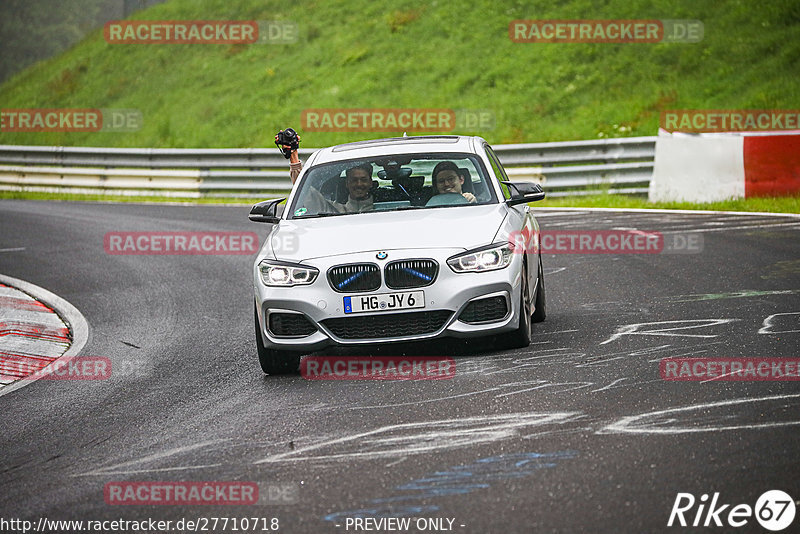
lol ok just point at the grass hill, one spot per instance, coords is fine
(405, 54)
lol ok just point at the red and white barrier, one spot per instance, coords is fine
(713, 167)
(32, 335)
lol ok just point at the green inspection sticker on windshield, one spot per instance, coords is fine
(300, 211)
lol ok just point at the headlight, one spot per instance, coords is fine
(285, 274)
(487, 259)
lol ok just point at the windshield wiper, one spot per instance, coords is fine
(317, 215)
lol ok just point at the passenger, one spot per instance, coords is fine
(447, 180)
(288, 142)
(358, 181)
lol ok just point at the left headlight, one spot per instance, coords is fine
(486, 259)
(279, 274)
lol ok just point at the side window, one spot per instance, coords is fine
(499, 172)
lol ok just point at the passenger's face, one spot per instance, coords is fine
(448, 181)
(358, 184)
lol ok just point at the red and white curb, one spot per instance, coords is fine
(37, 329)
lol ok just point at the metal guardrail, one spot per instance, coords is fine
(564, 168)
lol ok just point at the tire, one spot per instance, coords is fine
(521, 337)
(274, 362)
(540, 306)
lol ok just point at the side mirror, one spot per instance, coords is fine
(524, 192)
(266, 211)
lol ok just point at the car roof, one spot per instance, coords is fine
(399, 145)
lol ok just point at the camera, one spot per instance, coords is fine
(287, 140)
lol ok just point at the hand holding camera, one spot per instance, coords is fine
(287, 141)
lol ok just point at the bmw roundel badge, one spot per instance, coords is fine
(381, 255)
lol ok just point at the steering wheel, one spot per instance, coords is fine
(447, 199)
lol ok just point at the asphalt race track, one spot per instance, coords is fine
(577, 433)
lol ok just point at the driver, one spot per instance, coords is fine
(447, 180)
(358, 181)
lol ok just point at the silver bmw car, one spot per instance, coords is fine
(392, 240)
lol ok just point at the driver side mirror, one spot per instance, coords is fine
(524, 192)
(266, 211)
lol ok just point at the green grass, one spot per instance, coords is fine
(404, 54)
(456, 55)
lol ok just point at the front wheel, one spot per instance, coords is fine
(539, 306)
(521, 337)
(274, 362)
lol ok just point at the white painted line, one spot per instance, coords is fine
(602, 361)
(634, 329)
(577, 385)
(17, 249)
(155, 470)
(728, 228)
(766, 326)
(399, 440)
(633, 424)
(654, 210)
(74, 320)
(438, 399)
(609, 386)
(122, 468)
(557, 332)
(744, 293)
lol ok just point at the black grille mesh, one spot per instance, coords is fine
(406, 274)
(387, 325)
(355, 277)
(484, 310)
(290, 325)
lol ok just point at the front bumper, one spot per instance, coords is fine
(443, 315)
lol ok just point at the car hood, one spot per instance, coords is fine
(462, 227)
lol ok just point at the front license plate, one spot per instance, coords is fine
(384, 302)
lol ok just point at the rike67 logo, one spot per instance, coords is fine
(774, 510)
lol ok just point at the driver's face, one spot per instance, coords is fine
(448, 181)
(358, 183)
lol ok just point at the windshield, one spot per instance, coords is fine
(392, 183)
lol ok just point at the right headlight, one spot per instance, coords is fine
(486, 259)
(280, 274)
